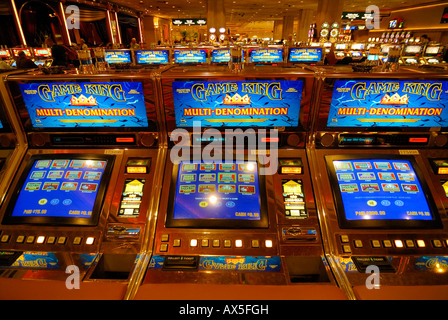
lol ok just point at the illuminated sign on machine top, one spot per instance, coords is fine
(238, 103)
(70, 105)
(366, 103)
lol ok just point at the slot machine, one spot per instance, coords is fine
(266, 56)
(221, 56)
(82, 197)
(235, 223)
(190, 57)
(357, 51)
(433, 54)
(15, 54)
(5, 55)
(411, 54)
(42, 57)
(119, 59)
(340, 50)
(303, 55)
(152, 59)
(379, 161)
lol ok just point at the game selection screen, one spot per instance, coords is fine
(380, 189)
(64, 188)
(217, 191)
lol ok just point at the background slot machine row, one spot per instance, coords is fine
(84, 191)
(225, 220)
(379, 162)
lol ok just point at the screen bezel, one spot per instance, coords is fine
(152, 63)
(8, 219)
(344, 223)
(170, 222)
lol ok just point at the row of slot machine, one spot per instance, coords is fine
(40, 56)
(198, 182)
(211, 55)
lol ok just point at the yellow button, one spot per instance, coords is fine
(268, 243)
(90, 240)
(421, 243)
(193, 242)
(238, 243)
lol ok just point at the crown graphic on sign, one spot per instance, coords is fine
(83, 101)
(236, 100)
(395, 99)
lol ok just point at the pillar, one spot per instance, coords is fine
(288, 28)
(149, 31)
(328, 11)
(216, 15)
(278, 30)
(306, 18)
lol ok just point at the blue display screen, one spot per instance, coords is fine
(221, 55)
(217, 191)
(237, 103)
(369, 103)
(1, 125)
(305, 54)
(266, 55)
(381, 189)
(118, 56)
(152, 56)
(190, 56)
(84, 105)
(65, 188)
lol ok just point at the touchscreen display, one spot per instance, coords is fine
(65, 188)
(380, 189)
(217, 191)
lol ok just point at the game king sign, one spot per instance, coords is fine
(358, 103)
(238, 103)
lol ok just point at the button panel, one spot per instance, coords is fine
(179, 242)
(350, 242)
(39, 240)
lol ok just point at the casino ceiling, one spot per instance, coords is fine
(255, 10)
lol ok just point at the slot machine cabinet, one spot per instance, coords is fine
(83, 195)
(411, 54)
(380, 182)
(224, 232)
